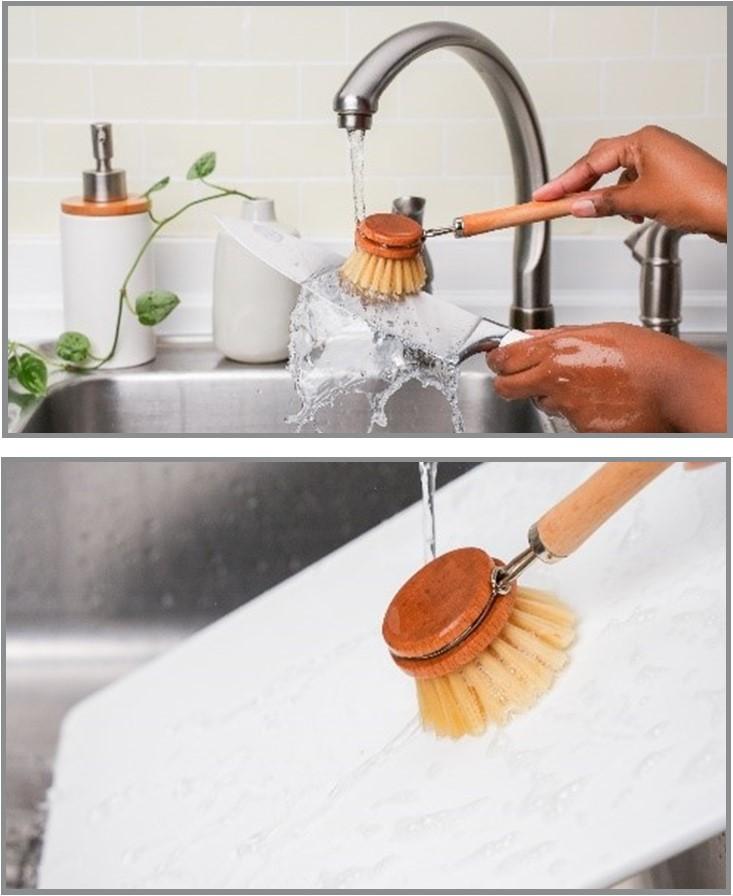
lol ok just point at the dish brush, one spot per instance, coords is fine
(481, 647)
(387, 265)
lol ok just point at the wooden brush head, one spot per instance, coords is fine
(437, 606)
(389, 236)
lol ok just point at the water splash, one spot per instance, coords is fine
(336, 353)
(428, 475)
(357, 156)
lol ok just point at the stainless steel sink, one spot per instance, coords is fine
(190, 388)
(152, 551)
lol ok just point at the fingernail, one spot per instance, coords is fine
(583, 208)
(543, 188)
(493, 360)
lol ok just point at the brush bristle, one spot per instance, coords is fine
(384, 279)
(507, 677)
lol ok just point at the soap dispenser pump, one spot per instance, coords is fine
(102, 232)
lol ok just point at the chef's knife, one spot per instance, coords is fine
(425, 323)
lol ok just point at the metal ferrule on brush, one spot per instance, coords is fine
(503, 576)
(456, 229)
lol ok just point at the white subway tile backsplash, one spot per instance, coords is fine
(327, 207)
(443, 92)
(567, 140)
(448, 197)
(21, 32)
(475, 148)
(143, 91)
(246, 93)
(172, 147)
(256, 83)
(717, 84)
(401, 149)
(197, 221)
(91, 31)
(564, 89)
(654, 87)
(193, 32)
(595, 31)
(46, 90)
(691, 30)
(297, 150)
(24, 155)
(34, 206)
(295, 33)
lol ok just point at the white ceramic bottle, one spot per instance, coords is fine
(252, 303)
(102, 232)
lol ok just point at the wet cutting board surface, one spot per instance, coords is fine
(279, 748)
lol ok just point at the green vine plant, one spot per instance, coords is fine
(31, 369)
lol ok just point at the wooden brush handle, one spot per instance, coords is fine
(512, 215)
(576, 517)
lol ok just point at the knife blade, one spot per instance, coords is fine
(424, 322)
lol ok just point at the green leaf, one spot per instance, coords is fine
(74, 347)
(158, 185)
(154, 306)
(13, 367)
(202, 167)
(32, 374)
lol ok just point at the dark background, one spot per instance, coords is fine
(124, 539)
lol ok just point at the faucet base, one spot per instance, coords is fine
(662, 325)
(532, 318)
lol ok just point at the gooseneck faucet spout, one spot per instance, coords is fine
(358, 100)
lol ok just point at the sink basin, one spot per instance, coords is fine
(67, 635)
(99, 606)
(190, 388)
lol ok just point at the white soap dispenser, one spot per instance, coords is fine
(102, 232)
(252, 303)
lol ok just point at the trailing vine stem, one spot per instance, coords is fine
(124, 298)
(150, 308)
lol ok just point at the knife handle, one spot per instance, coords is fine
(488, 335)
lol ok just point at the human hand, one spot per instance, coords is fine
(615, 378)
(664, 177)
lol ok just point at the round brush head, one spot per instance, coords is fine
(389, 236)
(446, 614)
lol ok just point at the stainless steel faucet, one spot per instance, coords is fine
(358, 100)
(656, 248)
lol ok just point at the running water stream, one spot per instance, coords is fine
(335, 353)
(357, 156)
(428, 475)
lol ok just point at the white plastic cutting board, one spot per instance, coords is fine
(279, 747)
